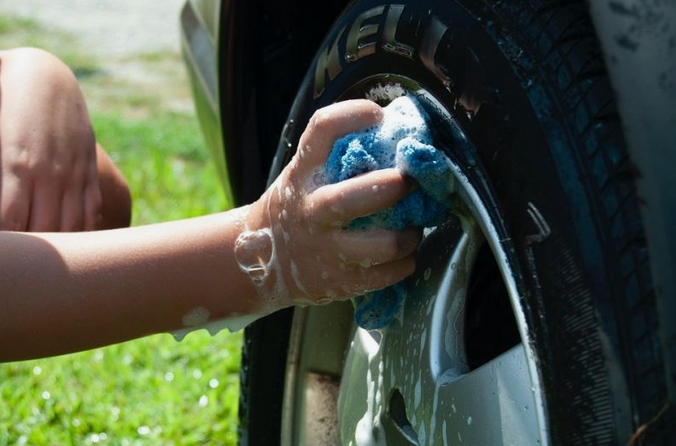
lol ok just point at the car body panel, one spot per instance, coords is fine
(199, 42)
(639, 43)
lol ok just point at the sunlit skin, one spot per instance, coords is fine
(53, 175)
(64, 292)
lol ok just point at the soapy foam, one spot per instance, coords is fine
(369, 431)
(385, 92)
(377, 147)
(196, 316)
(296, 277)
(255, 253)
(232, 323)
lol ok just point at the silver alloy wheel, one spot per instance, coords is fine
(409, 384)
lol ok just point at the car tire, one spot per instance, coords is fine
(521, 103)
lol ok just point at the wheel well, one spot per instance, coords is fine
(265, 49)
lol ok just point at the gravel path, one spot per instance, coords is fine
(108, 27)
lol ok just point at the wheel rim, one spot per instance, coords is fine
(412, 383)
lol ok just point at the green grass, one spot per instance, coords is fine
(152, 391)
(165, 163)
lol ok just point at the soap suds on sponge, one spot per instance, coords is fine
(402, 140)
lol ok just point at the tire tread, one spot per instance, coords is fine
(564, 41)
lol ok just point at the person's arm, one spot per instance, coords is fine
(67, 292)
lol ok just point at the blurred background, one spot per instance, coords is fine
(153, 391)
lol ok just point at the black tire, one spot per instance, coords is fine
(527, 84)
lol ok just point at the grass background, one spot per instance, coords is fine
(152, 391)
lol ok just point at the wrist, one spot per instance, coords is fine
(257, 253)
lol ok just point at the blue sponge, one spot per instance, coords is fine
(402, 140)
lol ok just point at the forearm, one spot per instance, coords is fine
(68, 292)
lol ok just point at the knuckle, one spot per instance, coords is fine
(321, 120)
(328, 210)
(20, 165)
(18, 171)
(36, 167)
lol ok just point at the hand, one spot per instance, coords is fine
(48, 174)
(295, 247)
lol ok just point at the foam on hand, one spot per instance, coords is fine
(403, 140)
(255, 254)
(275, 257)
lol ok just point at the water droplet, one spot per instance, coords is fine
(469, 420)
(169, 377)
(46, 395)
(427, 274)
(143, 430)
(204, 400)
(37, 370)
(197, 373)
(318, 179)
(213, 383)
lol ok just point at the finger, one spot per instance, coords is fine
(375, 247)
(363, 195)
(72, 210)
(15, 201)
(93, 200)
(45, 209)
(93, 208)
(378, 277)
(332, 122)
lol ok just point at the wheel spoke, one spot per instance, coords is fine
(411, 385)
(490, 405)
